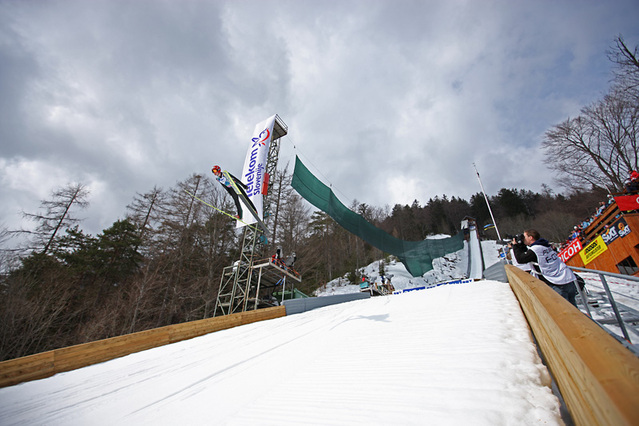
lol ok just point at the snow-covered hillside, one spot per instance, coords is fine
(450, 267)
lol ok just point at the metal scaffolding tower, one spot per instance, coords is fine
(241, 282)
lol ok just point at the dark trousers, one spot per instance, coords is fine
(567, 291)
(236, 199)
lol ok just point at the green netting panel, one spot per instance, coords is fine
(417, 256)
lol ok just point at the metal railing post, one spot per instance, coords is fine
(614, 307)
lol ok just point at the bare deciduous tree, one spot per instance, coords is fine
(144, 212)
(627, 68)
(599, 147)
(278, 194)
(56, 214)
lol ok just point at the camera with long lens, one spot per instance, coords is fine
(519, 238)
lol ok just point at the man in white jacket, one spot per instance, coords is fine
(549, 267)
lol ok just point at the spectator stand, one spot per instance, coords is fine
(619, 244)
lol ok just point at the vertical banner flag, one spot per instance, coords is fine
(255, 167)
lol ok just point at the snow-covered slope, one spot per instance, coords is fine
(457, 354)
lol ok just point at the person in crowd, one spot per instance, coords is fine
(290, 261)
(575, 233)
(602, 207)
(632, 183)
(276, 259)
(390, 285)
(547, 265)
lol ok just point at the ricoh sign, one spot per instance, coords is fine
(573, 248)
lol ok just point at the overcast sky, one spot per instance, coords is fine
(388, 101)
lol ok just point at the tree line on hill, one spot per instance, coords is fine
(162, 263)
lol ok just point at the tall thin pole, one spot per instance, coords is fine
(487, 203)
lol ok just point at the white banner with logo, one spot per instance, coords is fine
(255, 167)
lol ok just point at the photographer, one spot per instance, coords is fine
(511, 256)
(549, 267)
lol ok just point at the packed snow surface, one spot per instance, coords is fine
(454, 354)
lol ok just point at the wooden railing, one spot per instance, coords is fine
(607, 217)
(46, 364)
(597, 376)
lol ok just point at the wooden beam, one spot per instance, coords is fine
(47, 364)
(597, 376)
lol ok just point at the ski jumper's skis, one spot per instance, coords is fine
(247, 203)
(221, 211)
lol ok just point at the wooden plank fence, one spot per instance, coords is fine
(597, 376)
(47, 364)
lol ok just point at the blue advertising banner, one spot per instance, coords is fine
(618, 229)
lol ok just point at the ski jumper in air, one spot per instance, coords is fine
(232, 188)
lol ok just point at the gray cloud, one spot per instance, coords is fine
(390, 100)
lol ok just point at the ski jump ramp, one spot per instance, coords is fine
(475, 256)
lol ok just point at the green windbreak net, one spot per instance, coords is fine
(417, 256)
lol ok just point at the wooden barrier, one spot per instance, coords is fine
(46, 364)
(597, 376)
